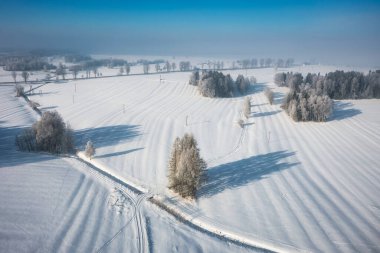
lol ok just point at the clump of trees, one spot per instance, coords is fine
(336, 85)
(186, 167)
(304, 104)
(216, 84)
(269, 94)
(49, 134)
(74, 58)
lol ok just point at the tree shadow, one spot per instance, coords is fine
(10, 156)
(278, 98)
(343, 110)
(242, 172)
(118, 153)
(263, 114)
(106, 136)
(258, 87)
(48, 107)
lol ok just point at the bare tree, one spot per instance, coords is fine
(14, 76)
(174, 66)
(157, 66)
(25, 75)
(167, 65)
(95, 71)
(90, 149)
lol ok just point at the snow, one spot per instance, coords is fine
(296, 186)
(59, 204)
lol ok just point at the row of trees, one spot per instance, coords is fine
(49, 134)
(336, 85)
(25, 63)
(263, 62)
(216, 84)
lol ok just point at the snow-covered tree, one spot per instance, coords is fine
(121, 71)
(127, 69)
(186, 167)
(247, 107)
(14, 76)
(19, 90)
(269, 94)
(146, 68)
(90, 149)
(25, 75)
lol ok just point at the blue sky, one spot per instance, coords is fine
(329, 31)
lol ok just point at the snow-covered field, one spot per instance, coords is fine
(301, 186)
(56, 204)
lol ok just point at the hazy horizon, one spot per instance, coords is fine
(333, 32)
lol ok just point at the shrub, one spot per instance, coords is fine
(186, 167)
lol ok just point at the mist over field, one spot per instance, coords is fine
(330, 32)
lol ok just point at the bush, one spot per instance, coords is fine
(269, 94)
(49, 134)
(186, 167)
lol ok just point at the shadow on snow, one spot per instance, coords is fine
(106, 136)
(242, 172)
(343, 110)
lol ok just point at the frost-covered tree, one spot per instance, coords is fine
(167, 66)
(90, 149)
(146, 68)
(25, 75)
(186, 167)
(269, 94)
(247, 107)
(127, 69)
(121, 71)
(19, 89)
(157, 67)
(242, 84)
(174, 66)
(14, 76)
(194, 78)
